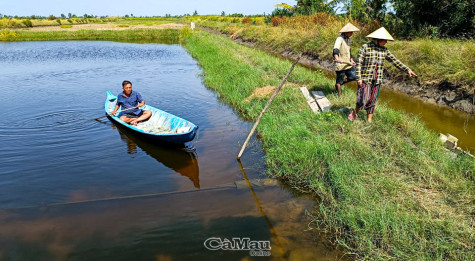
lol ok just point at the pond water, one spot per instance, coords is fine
(73, 188)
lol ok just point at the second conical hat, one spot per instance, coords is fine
(382, 34)
(349, 28)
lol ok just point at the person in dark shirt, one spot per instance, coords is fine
(131, 101)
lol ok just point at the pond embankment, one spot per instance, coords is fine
(444, 66)
(387, 190)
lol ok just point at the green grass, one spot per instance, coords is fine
(387, 190)
(452, 59)
(25, 22)
(66, 26)
(153, 35)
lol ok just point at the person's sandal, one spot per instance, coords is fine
(352, 116)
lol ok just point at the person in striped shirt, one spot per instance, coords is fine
(369, 71)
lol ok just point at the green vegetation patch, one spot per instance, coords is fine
(151, 35)
(387, 190)
(7, 35)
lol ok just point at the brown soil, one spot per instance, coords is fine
(262, 92)
(78, 27)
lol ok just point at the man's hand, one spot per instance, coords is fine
(114, 112)
(353, 63)
(411, 74)
(360, 83)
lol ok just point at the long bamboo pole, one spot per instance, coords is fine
(265, 108)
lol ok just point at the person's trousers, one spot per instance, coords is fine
(367, 96)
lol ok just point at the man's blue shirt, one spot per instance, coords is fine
(133, 100)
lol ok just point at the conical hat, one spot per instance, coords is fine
(349, 28)
(382, 34)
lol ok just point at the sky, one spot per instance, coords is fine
(136, 7)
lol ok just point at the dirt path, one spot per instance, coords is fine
(107, 26)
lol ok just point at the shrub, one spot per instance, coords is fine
(246, 20)
(259, 21)
(322, 18)
(27, 23)
(9, 23)
(282, 12)
(185, 32)
(276, 21)
(7, 35)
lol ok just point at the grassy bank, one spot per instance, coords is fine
(161, 35)
(55, 21)
(388, 190)
(436, 60)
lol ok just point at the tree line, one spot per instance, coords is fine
(406, 18)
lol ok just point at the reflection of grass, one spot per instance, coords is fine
(66, 26)
(122, 25)
(387, 190)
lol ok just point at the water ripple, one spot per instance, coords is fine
(69, 121)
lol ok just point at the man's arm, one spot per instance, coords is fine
(398, 64)
(140, 100)
(115, 109)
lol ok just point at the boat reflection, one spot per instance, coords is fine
(179, 159)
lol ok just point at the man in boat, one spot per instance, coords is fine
(130, 101)
(344, 63)
(369, 71)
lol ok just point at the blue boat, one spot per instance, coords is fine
(161, 126)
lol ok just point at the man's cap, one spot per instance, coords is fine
(349, 28)
(381, 34)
